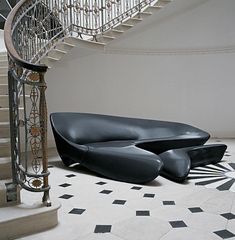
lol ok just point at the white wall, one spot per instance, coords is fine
(177, 65)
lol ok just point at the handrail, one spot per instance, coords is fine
(32, 28)
(9, 44)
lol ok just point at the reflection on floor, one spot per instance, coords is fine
(95, 208)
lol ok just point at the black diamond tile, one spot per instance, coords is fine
(65, 185)
(228, 216)
(136, 188)
(106, 191)
(50, 166)
(120, 202)
(101, 183)
(195, 209)
(77, 211)
(142, 213)
(70, 175)
(149, 195)
(224, 234)
(103, 228)
(227, 155)
(66, 196)
(168, 203)
(177, 224)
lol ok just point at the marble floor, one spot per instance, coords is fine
(96, 208)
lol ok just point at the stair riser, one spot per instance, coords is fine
(3, 79)
(5, 151)
(64, 47)
(4, 115)
(3, 70)
(4, 89)
(162, 3)
(4, 101)
(113, 34)
(5, 170)
(123, 27)
(154, 9)
(4, 63)
(3, 58)
(5, 132)
(144, 15)
(133, 21)
(47, 62)
(56, 54)
(104, 39)
(86, 44)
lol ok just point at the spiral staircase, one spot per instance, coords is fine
(39, 33)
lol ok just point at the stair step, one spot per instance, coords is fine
(26, 219)
(5, 168)
(124, 26)
(4, 100)
(154, 8)
(4, 63)
(4, 201)
(56, 53)
(3, 78)
(105, 38)
(3, 53)
(3, 57)
(49, 61)
(144, 14)
(114, 33)
(134, 20)
(5, 144)
(85, 43)
(64, 46)
(3, 89)
(3, 70)
(4, 114)
(4, 129)
(162, 3)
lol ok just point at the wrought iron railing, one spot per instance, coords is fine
(31, 30)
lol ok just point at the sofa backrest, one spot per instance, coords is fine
(83, 128)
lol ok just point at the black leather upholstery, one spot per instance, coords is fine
(130, 149)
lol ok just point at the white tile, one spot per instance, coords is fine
(220, 202)
(99, 236)
(141, 228)
(186, 234)
(205, 221)
(231, 226)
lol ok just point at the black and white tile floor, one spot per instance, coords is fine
(95, 208)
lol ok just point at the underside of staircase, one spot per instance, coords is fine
(101, 41)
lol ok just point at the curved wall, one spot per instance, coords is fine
(177, 65)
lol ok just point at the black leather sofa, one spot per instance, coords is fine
(130, 149)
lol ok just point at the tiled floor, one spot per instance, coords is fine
(95, 208)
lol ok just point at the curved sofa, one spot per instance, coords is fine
(130, 149)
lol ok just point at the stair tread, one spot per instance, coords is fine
(106, 36)
(66, 43)
(5, 140)
(5, 160)
(6, 108)
(52, 58)
(4, 125)
(136, 18)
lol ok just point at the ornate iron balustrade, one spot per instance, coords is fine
(32, 28)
